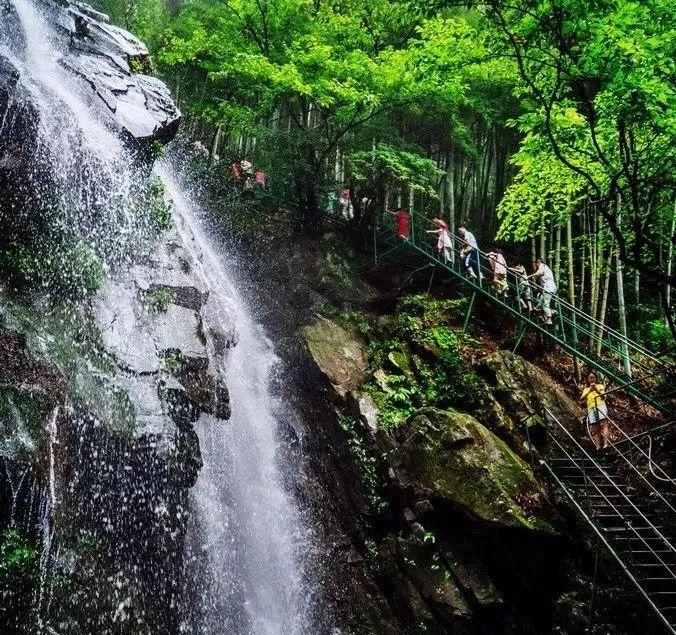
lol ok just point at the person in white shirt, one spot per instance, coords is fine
(499, 265)
(246, 166)
(444, 240)
(548, 287)
(470, 252)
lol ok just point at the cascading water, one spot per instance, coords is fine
(247, 532)
(247, 523)
(92, 180)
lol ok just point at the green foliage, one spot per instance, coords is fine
(599, 115)
(72, 269)
(417, 361)
(396, 165)
(159, 211)
(357, 320)
(158, 299)
(18, 562)
(367, 463)
(173, 362)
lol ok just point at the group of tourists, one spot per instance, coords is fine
(540, 281)
(534, 291)
(243, 173)
(340, 203)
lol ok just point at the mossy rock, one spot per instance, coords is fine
(338, 354)
(457, 461)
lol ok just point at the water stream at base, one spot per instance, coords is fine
(248, 524)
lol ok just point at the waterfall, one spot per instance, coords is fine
(248, 533)
(92, 171)
(247, 523)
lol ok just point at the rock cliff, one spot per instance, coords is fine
(99, 392)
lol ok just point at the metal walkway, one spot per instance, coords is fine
(627, 499)
(623, 495)
(628, 364)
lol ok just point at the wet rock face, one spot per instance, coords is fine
(112, 64)
(338, 355)
(454, 461)
(523, 389)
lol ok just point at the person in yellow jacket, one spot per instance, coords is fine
(597, 411)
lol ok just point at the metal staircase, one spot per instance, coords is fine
(624, 496)
(628, 501)
(629, 365)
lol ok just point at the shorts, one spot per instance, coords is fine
(546, 302)
(525, 292)
(596, 415)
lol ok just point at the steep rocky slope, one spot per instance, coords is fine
(414, 458)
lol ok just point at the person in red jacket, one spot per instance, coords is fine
(235, 171)
(259, 180)
(403, 224)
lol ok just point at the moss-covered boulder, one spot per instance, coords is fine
(524, 389)
(455, 461)
(337, 353)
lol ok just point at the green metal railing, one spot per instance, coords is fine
(627, 364)
(631, 518)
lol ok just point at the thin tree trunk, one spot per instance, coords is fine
(450, 186)
(557, 253)
(543, 247)
(626, 363)
(670, 256)
(594, 266)
(571, 284)
(604, 303)
(214, 144)
(583, 259)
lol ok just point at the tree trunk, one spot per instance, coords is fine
(626, 362)
(450, 187)
(571, 285)
(557, 253)
(543, 247)
(604, 303)
(583, 259)
(213, 153)
(670, 256)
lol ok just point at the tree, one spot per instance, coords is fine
(597, 88)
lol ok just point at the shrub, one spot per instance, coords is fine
(158, 299)
(159, 211)
(18, 562)
(71, 270)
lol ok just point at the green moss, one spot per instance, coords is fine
(69, 270)
(367, 463)
(417, 359)
(158, 299)
(63, 337)
(172, 362)
(19, 563)
(462, 462)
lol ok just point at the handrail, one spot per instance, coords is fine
(608, 546)
(651, 463)
(574, 326)
(620, 491)
(562, 301)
